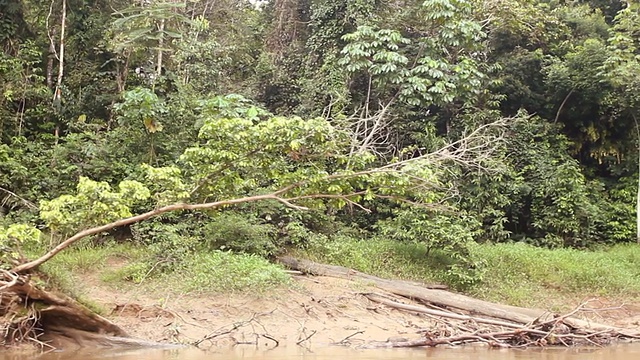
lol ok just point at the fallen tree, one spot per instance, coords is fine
(288, 156)
(480, 321)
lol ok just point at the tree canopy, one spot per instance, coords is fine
(438, 121)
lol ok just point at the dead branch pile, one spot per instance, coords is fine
(461, 319)
(454, 328)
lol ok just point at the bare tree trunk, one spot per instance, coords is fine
(160, 45)
(57, 95)
(52, 48)
(122, 70)
(638, 190)
(50, 58)
(564, 102)
(435, 295)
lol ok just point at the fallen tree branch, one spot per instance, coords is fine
(424, 310)
(429, 293)
(306, 338)
(435, 295)
(498, 339)
(134, 219)
(470, 151)
(553, 332)
(527, 326)
(345, 340)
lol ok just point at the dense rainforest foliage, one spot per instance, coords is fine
(442, 122)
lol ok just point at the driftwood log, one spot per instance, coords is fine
(507, 325)
(429, 293)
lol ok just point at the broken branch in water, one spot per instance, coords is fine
(345, 340)
(307, 338)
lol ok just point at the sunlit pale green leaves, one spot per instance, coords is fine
(93, 204)
(166, 183)
(240, 155)
(13, 238)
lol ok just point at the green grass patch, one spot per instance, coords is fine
(202, 272)
(78, 260)
(383, 258)
(62, 270)
(125, 265)
(91, 258)
(522, 274)
(222, 271)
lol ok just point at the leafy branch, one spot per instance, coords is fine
(391, 181)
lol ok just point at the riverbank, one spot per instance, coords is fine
(311, 311)
(260, 302)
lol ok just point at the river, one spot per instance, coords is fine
(618, 352)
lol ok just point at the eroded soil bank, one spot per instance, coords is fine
(315, 310)
(322, 310)
(349, 309)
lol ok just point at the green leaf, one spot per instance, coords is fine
(252, 112)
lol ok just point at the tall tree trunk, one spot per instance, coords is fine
(160, 45)
(57, 95)
(638, 192)
(564, 102)
(51, 56)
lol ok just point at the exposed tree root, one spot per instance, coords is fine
(495, 324)
(29, 314)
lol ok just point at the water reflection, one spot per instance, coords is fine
(620, 352)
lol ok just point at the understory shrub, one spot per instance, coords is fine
(228, 271)
(240, 232)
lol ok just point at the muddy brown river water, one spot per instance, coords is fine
(618, 352)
